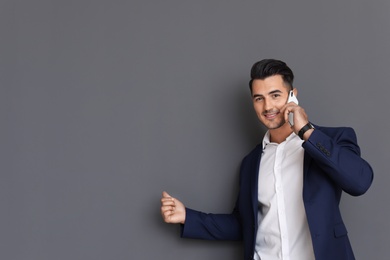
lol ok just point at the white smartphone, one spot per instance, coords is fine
(291, 98)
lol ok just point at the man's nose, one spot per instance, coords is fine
(267, 104)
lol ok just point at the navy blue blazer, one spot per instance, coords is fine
(332, 164)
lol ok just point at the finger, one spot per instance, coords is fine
(168, 211)
(168, 208)
(168, 201)
(288, 108)
(286, 112)
(167, 215)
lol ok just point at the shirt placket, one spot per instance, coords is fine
(284, 254)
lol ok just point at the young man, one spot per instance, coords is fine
(290, 185)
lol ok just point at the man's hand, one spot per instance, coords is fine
(300, 118)
(172, 210)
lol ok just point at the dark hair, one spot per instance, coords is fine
(270, 67)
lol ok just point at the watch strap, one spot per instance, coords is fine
(304, 129)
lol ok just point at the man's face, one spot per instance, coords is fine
(269, 96)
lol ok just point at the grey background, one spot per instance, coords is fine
(105, 104)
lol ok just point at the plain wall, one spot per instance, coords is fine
(105, 104)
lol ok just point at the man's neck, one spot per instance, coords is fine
(280, 134)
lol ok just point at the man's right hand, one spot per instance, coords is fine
(172, 210)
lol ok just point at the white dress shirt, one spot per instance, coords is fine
(283, 231)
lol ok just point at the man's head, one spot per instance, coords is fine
(270, 67)
(271, 82)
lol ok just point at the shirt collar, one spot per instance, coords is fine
(267, 140)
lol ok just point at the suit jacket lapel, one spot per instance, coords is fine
(306, 164)
(255, 182)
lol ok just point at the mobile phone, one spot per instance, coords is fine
(291, 98)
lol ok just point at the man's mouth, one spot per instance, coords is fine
(271, 115)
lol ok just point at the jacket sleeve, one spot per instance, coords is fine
(237, 225)
(211, 226)
(339, 157)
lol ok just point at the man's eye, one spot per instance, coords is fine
(275, 95)
(258, 99)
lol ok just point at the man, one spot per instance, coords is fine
(290, 185)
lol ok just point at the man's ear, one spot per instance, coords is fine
(295, 91)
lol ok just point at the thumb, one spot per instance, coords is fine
(166, 195)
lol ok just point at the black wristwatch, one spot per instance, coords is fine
(304, 129)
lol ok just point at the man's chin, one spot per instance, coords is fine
(275, 125)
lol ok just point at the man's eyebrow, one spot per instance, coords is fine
(275, 91)
(257, 95)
